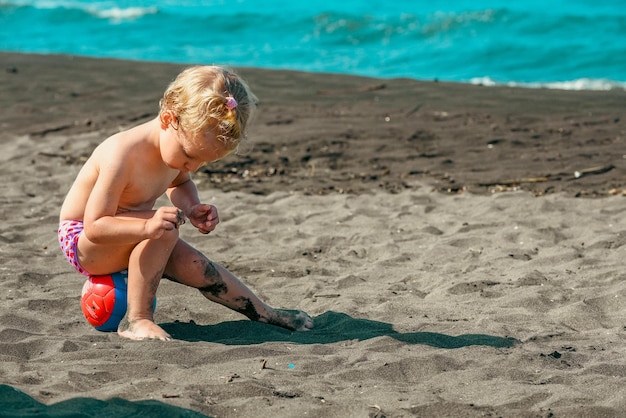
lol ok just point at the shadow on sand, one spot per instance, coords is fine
(17, 404)
(330, 327)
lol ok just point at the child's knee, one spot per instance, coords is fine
(212, 280)
(170, 237)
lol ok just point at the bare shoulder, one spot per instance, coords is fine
(123, 148)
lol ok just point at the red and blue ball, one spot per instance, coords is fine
(103, 300)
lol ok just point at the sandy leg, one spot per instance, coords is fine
(192, 268)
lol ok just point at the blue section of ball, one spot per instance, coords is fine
(120, 282)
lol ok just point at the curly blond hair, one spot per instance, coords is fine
(199, 98)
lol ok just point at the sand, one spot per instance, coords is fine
(460, 247)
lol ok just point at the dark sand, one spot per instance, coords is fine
(460, 247)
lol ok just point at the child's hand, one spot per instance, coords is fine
(164, 219)
(204, 217)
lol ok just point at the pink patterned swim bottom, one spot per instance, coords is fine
(69, 231)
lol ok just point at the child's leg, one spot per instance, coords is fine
(145, 270)
(190, 267)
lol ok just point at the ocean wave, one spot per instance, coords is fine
(380, 28)
(578, 84)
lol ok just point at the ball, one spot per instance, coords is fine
(103, 300)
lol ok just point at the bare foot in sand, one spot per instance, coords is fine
(293, 320)
(142, 329)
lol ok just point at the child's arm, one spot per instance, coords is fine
(184, 195)
(102, 223)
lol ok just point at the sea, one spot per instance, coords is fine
(564, 44)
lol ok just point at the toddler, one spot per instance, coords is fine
(108, 222)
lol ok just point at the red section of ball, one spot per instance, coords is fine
(98, 299)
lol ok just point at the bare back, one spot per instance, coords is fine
(124, 173)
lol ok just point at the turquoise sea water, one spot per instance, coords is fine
(575, 44)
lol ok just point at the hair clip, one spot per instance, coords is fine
(231, 103)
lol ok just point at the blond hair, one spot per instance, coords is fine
(199, 98)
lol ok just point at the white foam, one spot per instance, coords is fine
(104, 10)
(578, 84)
(117, 14)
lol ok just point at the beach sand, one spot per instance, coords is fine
(460, 247)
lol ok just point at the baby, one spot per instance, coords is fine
(108, 223)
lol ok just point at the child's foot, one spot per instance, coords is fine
(143, 329)
(293, 320)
